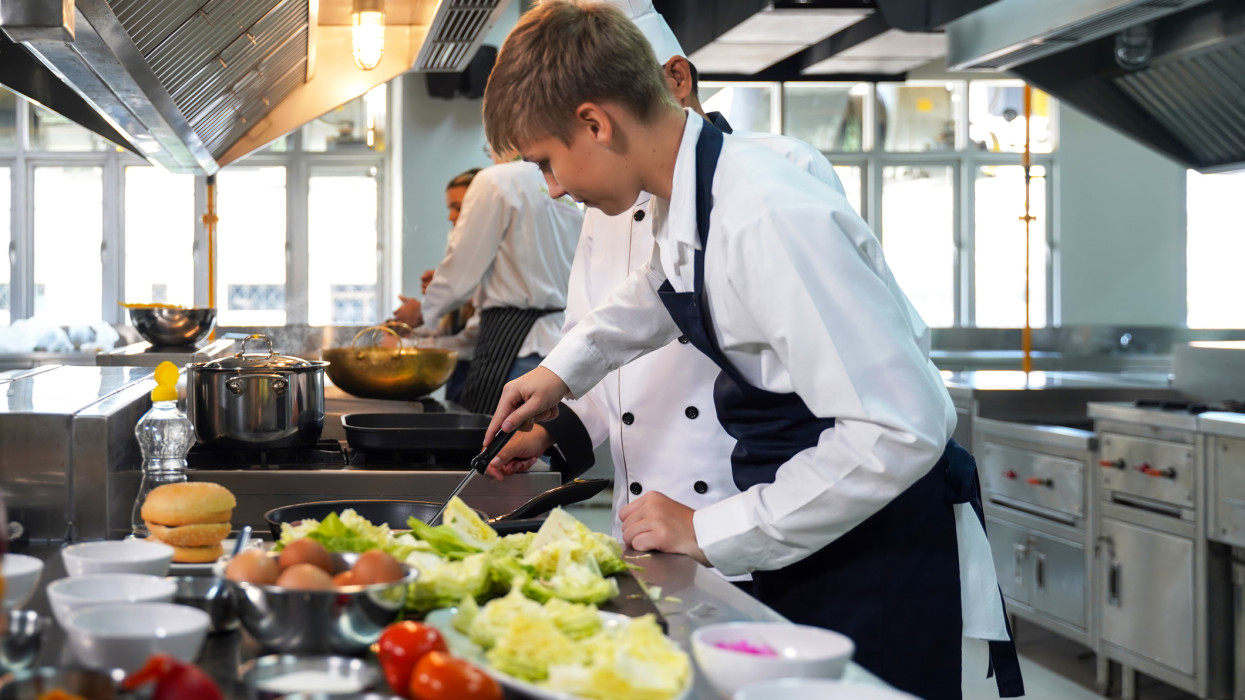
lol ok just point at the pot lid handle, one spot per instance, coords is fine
(256, 336)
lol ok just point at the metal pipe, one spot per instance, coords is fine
(1026, 335)
(209, 222)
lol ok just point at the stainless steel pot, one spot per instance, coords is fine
(256, 400)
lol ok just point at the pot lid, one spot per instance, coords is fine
(258, 360)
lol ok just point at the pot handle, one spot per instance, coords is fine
(397, 351)
(236, 384)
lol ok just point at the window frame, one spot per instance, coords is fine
(113, 162)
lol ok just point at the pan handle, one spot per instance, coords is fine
(564, 495)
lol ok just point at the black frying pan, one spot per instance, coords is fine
(405, 432)
(395, 513)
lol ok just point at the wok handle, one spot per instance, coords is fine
(397, 351)
(564, 495)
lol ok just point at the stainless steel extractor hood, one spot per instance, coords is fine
(197, 84)
(1169, 73)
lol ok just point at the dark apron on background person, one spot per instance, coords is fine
(502, 331)
(892, 583)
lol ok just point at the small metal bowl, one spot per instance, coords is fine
(345, 620)
(172, 327)
(32, 683)
(211, 595)
(280, 675)
(23, 636)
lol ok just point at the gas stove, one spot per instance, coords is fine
(326, 454)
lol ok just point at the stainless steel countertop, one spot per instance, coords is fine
(692, 597)
(1015, 380)
(1222, 424)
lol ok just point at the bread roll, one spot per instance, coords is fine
(195, 555)
(188, 503)
(198, 535)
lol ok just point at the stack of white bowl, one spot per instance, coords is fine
(116, 606)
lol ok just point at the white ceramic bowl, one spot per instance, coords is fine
(21, 576)
(68, 595)
(123, 635)
(817, 689)
(800, 651)
(117, 557)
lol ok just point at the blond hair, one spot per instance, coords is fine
(561, 54)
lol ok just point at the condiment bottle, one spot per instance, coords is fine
(164, 435)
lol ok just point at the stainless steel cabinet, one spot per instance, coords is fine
(1040, 571)
(1148, 594)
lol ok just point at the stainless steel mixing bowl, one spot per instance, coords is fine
(165, 327)
(344, 620)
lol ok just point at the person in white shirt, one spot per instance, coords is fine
(858, 512)
(656, 412)
(511, 248)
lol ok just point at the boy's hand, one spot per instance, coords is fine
(528, 399)
(655, 521)
(520, 453)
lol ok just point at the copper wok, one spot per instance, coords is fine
(402, 372)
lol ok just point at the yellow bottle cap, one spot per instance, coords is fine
(166, 382)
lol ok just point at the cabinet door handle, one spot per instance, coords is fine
(1039, 569)
(1019, 552)
(1113, 585)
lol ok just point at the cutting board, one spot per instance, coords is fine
(631, 600)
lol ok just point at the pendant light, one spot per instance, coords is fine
(367, 32)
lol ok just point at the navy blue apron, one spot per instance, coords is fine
(892, 583)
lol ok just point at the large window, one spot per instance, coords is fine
(301, 223)
(69, 231)
(1216, 247)
(935, 168)
(159, 236)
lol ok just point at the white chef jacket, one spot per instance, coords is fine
(514, 243)
(672, 442)
(802, 301)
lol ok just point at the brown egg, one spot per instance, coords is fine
(307, 577)
(305, 551)
(253, 566)
(376, 566)
(345, 578)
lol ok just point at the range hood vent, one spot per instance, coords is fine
(455, 34)
(1011, 32)
(196, 84)
(1169, 73)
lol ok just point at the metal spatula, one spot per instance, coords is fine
(478, 465)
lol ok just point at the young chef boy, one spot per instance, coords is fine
(854, 511)
(657, 412)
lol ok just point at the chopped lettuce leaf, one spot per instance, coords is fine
(469, 526)
(494, 617)
(444, 585)
(562, 526)
(444, 539)
(634, 661)
(466, 615)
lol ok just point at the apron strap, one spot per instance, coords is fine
(502, 332)
(963, 486)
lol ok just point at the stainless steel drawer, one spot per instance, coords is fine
(1010, 547)
(1030, 476)
(1154, 469)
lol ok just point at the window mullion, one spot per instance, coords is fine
(297, 244)
(112, 244)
